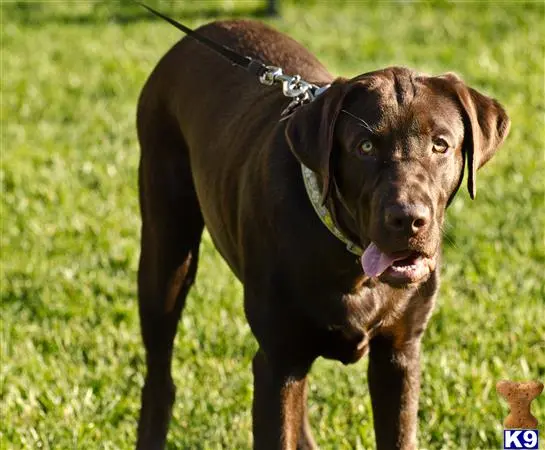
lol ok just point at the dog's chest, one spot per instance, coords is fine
(357, 318)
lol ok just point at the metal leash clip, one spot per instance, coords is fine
(293, 87)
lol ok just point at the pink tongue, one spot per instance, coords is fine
(374, 262)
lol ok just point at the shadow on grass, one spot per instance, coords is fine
(124, 12)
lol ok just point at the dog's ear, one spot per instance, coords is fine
(486, 126)
(311, 129)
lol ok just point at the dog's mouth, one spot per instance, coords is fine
(408, 266)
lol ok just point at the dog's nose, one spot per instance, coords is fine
(412, 219)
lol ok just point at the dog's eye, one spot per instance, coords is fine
(440, 145)
(366, 146)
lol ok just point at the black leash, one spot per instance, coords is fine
(251, 65)
(300, 91)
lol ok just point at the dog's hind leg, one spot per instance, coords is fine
(172, 225)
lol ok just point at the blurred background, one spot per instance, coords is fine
(71, 359)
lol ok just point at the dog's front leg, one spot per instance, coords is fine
(394, 382)
(306, 439)
(279, 402)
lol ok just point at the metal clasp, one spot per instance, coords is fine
(293, 87)
(270, 76)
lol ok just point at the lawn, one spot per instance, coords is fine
(71, 357)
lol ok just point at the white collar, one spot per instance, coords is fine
(313, 191)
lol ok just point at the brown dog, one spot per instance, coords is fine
(388, 150)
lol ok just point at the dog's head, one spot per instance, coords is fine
(390, 148)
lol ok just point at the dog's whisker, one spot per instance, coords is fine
(446, 236)
(359, 119)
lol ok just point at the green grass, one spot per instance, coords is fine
(71, 358)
